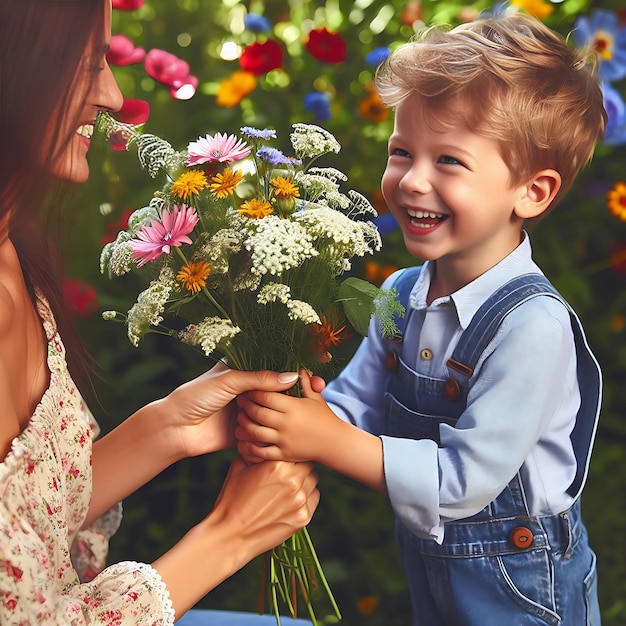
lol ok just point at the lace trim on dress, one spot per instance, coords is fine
(152, 578)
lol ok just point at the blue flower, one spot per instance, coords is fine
(318, 103)
(377, 56)
(255, 133)
(273, 156)
(601, 33)
(615, 133)
(257, 23)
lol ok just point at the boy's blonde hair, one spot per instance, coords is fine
(511, 79)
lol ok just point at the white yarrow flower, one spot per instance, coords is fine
(115, 258)
(309, 140)
(148, 309)
(209, 333)
(278, 245)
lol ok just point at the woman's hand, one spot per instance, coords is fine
(202, 412)
(259, 506)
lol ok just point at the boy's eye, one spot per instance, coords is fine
(399, 152)
(446, 159)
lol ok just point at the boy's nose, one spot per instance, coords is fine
(416, 180)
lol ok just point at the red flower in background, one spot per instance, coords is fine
(115, 227)
(80, 296)
(133, 112)
(127, 5)
(261, 58)
(123, 51)
(326, 46)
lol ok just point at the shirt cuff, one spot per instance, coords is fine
(412, 477)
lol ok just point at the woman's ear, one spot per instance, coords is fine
(539, 194)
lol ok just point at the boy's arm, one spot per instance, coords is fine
(277, 426)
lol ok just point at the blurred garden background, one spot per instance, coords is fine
(194, 67)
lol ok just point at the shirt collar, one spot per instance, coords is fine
(468, 299)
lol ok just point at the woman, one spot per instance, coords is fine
(58, 495)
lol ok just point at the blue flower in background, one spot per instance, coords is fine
(257, 23)
(318, 103)
(377, 56)
(601, 33)
(616, 110)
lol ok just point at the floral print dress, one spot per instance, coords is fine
(51, 570)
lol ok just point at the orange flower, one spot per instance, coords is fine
(327, 334)
(223, 183)
(194, 275)
(373, 109)
(284, 189)
(256, 208)
(616, 200)
(367, 605)
(235, 88)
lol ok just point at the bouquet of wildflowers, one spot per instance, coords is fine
(244, 250)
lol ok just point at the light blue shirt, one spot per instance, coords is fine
(521, 406)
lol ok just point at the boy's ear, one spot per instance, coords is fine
(539, 193)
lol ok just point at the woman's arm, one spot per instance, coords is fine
(196, 418)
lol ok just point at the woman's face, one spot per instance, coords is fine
(95, 90)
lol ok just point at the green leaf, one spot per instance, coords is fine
(357, 297)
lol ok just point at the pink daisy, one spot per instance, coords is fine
(219, 149)
(158, 238)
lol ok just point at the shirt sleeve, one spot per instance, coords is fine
(522, 402)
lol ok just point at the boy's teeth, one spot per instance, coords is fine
(86, 130)
(421, 214)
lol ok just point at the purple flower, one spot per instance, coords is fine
(376, 56)
(318, 103)
(257, 23)
(273, 156)
(601, 33)
(255, 133)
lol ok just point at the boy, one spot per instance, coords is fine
(481, 441)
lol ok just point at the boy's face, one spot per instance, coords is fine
(450, 191)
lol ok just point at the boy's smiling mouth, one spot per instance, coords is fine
(419, 218)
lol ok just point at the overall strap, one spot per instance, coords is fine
(481, 331)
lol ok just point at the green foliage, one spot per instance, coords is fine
(576, 246)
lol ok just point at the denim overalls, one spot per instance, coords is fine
(502, 566)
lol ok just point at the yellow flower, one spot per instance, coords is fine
(194, 275)
(224, 183)
(284, 189)
(616, 200)
(539, 8)
(235, 88)
(256, 208)
(189, 184)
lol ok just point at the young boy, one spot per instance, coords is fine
(480, 438)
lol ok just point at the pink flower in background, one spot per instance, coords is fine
(127, 5)
(184, 89)
(165, 67)
(158, 238)
(221, 148)
(123, 51)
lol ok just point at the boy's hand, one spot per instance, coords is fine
(275, 426)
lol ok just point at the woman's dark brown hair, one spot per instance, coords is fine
(42, 44)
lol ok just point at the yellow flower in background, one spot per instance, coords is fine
(223, 184)
(189, 184)
(194, 275)
(284, 188)
(256, 208)
(539, 8)
(616, 200)
(235, 88)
